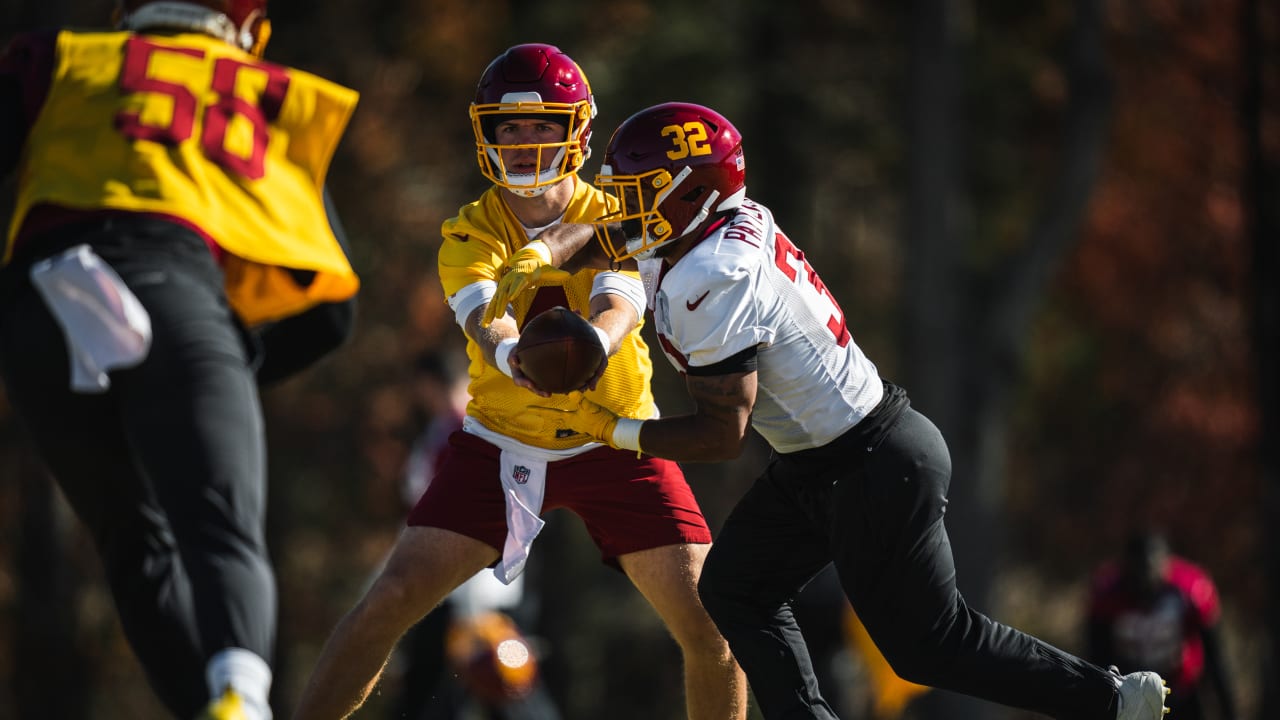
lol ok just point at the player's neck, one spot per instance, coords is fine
(544, 209)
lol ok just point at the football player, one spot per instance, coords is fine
(859, 478)
(170, 239)
(515, 457)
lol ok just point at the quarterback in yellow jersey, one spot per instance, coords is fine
(514, 457)
(170, 249)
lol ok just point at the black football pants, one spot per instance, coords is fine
(167, 468)
(877, 513)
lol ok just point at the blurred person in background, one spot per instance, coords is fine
(469, 656)
(170, 249)
(1153, 610)
(858, 478)
(513, 459)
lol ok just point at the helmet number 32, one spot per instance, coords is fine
(689, 139)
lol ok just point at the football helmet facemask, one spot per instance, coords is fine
(242, 23)
(674, 168)
(539, 81)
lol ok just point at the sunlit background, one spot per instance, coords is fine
(1046, 220)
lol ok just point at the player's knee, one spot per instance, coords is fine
(701, 639)
(397, 597)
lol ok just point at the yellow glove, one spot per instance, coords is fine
(589, 418)
(593, 419)
(530, 266)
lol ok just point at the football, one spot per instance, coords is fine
(559, 350)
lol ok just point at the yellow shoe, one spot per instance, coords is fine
(228, 707)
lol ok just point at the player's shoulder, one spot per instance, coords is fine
(1186, 574)
(588, 203)
(477, 220)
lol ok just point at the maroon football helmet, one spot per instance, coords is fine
(534, 80)
(673, 167)
(242, 23)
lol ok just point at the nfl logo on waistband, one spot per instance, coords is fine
(521, 474)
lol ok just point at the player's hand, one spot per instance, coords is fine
(589, 418)
(522, 380)
(593, 419)
(595, 379)
(527, 267)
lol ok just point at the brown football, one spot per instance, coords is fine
(559, 350)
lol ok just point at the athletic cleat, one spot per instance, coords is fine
(1142, 696)
(229, 706)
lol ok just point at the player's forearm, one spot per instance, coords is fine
(488, 338)
(615, 317)
(573, 247)
(693, 438)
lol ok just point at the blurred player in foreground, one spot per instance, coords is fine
(514, 458)
(858, 477)
(170, 249)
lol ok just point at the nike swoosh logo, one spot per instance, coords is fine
(693, 305)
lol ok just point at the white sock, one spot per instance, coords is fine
(247, 673)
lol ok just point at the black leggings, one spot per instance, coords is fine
(877, 513)
(167, 468)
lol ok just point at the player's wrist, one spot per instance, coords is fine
(541, 249)
(502, 355)
(626, 434)
(605, 341)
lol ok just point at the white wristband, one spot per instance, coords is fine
(542, 249)
(502, 352)
(626, 434)
(604, 339)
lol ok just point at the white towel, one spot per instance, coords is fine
(524, 483)
(104, 324)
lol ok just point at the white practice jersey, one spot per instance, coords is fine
(747, 285)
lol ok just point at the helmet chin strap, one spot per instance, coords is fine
(186, 16)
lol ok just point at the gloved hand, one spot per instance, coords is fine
(588, 418)
(592, 419)
(530, 266)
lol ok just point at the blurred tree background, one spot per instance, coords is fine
(1054, 223)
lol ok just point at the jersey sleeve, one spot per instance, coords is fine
(717, 314)
(467, 254)
(1198, 588)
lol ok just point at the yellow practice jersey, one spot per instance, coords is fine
(476, 245)
(188, 127)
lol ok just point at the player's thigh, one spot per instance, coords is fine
(668, 578)
(627, 504)
(76, 435)
(465, 495)
(425, 565)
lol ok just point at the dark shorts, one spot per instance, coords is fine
(627, 504)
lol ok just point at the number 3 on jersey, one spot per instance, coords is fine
(790, 260)
(234, 131)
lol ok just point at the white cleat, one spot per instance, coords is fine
(1142, 696)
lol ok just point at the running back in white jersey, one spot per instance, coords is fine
(746, 284)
